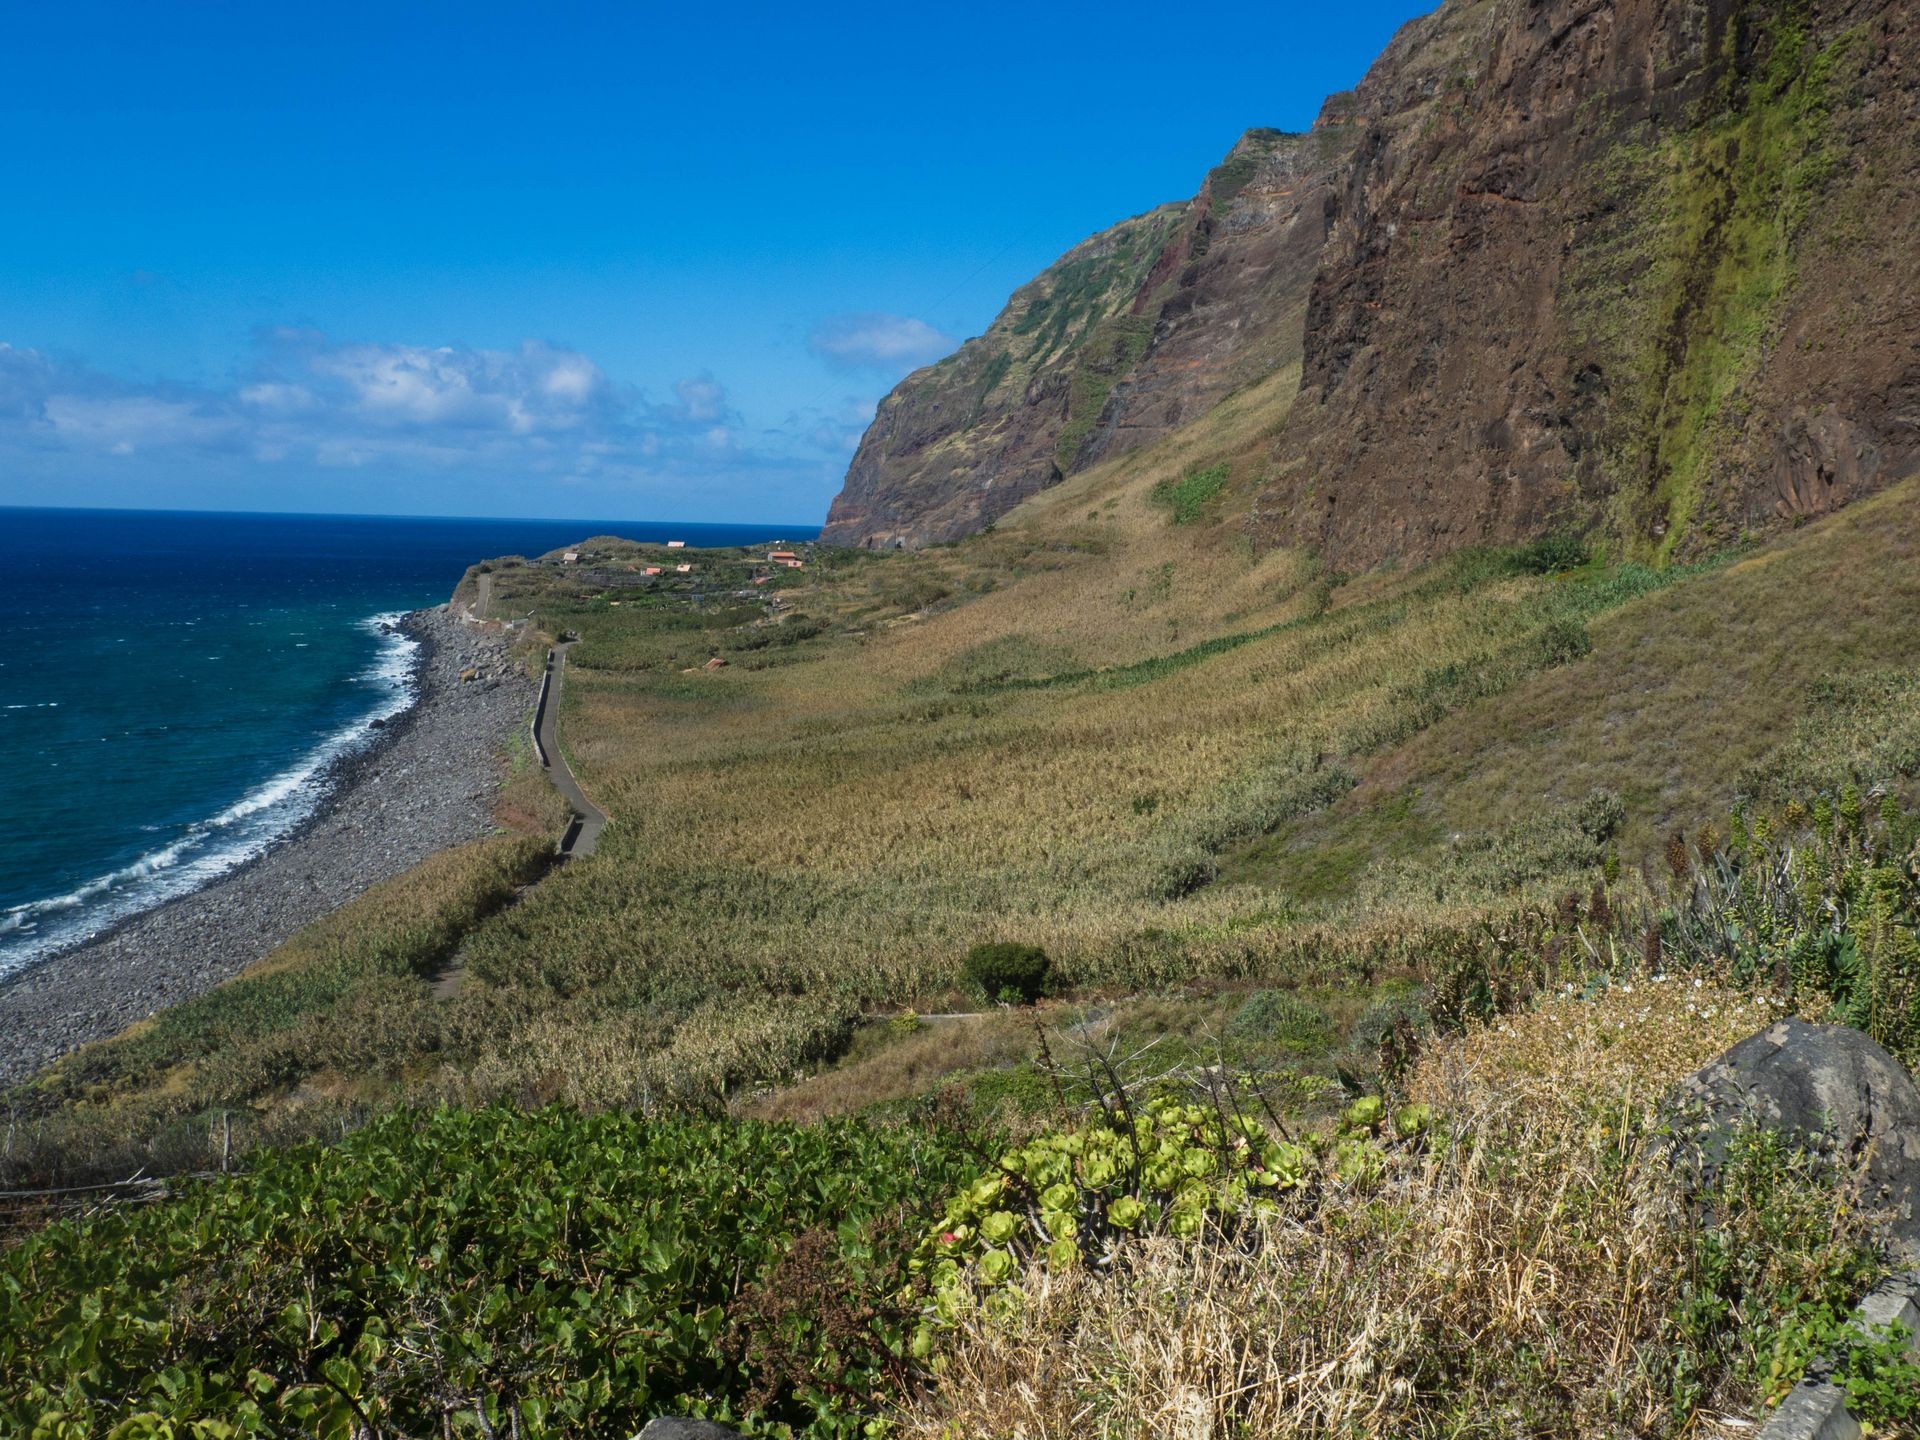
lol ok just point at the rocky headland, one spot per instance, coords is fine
(1551, 265)
(426, 781)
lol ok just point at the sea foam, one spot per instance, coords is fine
(224, 841)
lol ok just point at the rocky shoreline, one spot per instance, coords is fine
(426, 782)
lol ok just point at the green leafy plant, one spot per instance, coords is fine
(1009, 972)
(490, 1271)
(1880, 1372)
(1188, 496)
(1163, 1166)
(1772, 1280)
(1551, 554)
(1282, 1018)
(1821, 901)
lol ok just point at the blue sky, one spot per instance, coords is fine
(629, 261)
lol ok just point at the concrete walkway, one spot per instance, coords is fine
(583, 832)
(588, 818)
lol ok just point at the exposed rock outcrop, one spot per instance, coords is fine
(672, 1428)
(1835, 1091)
(1122, 340)
(1636, 267)
(959, 443)
(1604, 264)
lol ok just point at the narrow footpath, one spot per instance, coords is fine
(588, 818)
(583, 832)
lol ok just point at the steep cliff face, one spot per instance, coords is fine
(965, 440)
(1637, 267)
(1122, 340)
(1233, 308)
(1642, 268)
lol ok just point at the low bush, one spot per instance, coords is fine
(1280, 1017)
(1010, 973)
(1188, 496)
(1551, 554)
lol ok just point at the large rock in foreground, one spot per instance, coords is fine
(1834, 1089)
(672, 1428)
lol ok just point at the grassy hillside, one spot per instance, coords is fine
(1267, 822)
(1109, 727)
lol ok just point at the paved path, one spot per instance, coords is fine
(588, 818)
(583, 834)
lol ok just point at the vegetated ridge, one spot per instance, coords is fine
(1631, 269)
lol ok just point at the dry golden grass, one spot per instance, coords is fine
(821, 829)
(1518, 1279)
(912, 1065)
(844, 823)
(1628, 1044)
(1687, 688)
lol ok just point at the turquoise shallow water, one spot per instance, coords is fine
(173, 686)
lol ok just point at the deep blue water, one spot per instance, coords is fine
(172, 685)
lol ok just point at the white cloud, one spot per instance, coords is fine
(309, 404)
(125, 424)
(536, 389)
(701, 398)
(26, 377)
(873, 340)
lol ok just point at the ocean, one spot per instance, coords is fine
(174, 684)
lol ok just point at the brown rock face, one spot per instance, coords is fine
(1592, 268)
(1641, 268)
(963, 441)
(1122, 340)
(1235, 308)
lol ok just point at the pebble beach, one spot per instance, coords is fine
(425, 782)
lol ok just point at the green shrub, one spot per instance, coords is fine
(1188, 497)
(913, 592)
(1827, 910)
(1563, 641)
(1551, 554)
(1774, 1278)
(1076, 1197)
(1881, 1377)
(1389, 1017)
(1009, 972)
(1280, 1017)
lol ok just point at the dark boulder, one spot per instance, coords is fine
(1833, 1089)
(668, 1427)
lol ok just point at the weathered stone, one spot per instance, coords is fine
(1836, 1092)
(668, 1427)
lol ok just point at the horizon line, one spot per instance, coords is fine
(393, 515)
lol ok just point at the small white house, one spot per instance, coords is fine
(676, 544)
(570, 557)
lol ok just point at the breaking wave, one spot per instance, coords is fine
(224, 841)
